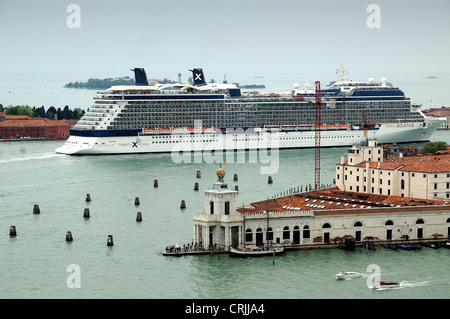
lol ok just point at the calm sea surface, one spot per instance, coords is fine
(37, 262)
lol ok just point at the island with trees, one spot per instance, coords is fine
(94, 83)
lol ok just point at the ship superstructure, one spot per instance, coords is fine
(146, 118)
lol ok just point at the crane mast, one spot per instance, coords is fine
(317, 124)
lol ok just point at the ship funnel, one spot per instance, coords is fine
(140, 77)
(198, 76)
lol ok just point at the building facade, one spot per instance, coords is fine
(440, 112)
(366, 171)
(37, 128)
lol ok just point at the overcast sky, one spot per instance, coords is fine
(246, 36)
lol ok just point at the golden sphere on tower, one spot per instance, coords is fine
(220, 173)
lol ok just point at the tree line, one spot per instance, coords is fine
(52, 112)
(100, 83)
(94, 83)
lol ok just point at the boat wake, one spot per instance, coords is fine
(412, 284)
(29, 158)
(402, 284)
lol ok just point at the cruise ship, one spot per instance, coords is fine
(200, 116)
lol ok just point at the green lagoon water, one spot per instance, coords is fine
(36, 263)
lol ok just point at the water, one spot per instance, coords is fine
(34, 264)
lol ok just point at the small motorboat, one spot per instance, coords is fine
(348, 275)
(385, 284)
(247, 252)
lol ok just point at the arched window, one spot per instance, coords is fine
(248, 235)
(357, 224)
(389, 223)
(306, 231)
(420, 221)
(286, 233)
(448, 220)
(402, 184)
(326, 225)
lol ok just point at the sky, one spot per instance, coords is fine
(244, 36)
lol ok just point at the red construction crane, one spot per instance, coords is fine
(317, 125)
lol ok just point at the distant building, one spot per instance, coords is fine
(22, 126)
(440, 112)
(366, 171)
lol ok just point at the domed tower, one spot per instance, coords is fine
(219, 225)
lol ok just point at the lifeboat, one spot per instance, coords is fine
(164, 131)
(272, 128)
(179, 130)
(304, 127)
(148, 131)
(210, 130)
(287, 127)
(196, 130)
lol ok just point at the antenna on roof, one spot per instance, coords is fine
(342, 73)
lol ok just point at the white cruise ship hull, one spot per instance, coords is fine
(405, 132)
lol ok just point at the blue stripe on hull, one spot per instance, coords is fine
(104, 133)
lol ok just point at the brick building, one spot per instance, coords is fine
(22, 126)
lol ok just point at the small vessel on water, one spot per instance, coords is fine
(385, 284)
(348, 275)
(248, 252)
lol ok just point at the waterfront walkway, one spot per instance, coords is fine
(187, 250)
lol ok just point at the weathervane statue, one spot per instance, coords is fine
(220, 174)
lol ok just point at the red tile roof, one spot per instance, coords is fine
(336, 200)
(426, 164)
(32, 122)
(17, 117)
(444, 111)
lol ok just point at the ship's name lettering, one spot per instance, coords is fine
(405, 125)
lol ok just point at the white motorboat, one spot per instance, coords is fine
(386, 285)
(348, 275)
